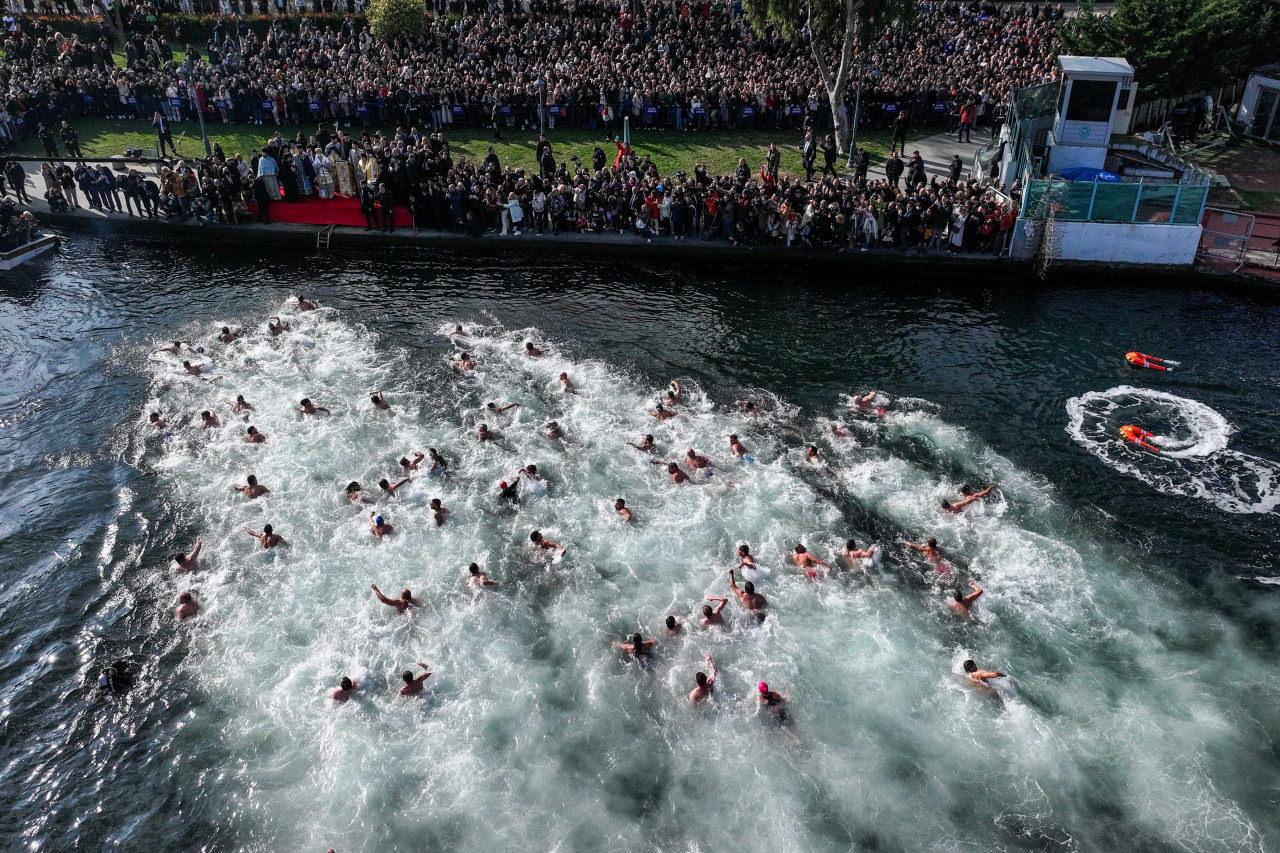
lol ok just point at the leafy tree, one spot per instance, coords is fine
(393, 19)
(1178, 47)
(834, 30)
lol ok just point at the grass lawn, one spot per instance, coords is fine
(670, 150)
(1260, 202)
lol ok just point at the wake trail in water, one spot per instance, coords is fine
(1194, 460)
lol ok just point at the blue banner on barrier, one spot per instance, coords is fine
(457, 109)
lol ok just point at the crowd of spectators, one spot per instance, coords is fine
(676, 64)
(619, 191)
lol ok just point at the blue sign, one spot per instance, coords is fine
(890, 108)
(314, 106)
(698, 111)
(795, 110)
(176, 103)
(939, 106)
(131, 101)
(650, 111)
(221, 104)
(362, 110)
(88, 99)
(267, 105)
(748, 112)
(506, 111)
(457, 109)
(553, 110)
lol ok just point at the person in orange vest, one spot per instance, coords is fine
(1151, 362)
(1139, 436)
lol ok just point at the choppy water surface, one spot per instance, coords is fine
(1132, 597)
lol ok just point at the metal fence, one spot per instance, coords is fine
(1163, 204)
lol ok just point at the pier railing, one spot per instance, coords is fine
(1140, 203)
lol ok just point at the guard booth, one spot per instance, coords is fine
(1094, 102)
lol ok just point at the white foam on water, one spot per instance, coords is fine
(1194, 460)
(533, 733)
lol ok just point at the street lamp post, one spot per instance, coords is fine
(542, 105)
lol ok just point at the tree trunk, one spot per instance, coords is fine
(839, 119)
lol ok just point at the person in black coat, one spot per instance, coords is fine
(829, 156)
(893, 169)
(386, 208)
(263, 198)
(368, 205)
(956, 168)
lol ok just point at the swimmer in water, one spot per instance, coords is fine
(980, 677)
(208, 420)
(662, 413)
(677, 476)
(853, 555)
(252, 488)
(745, 560)
(637, 646)
(931, 553)
(711, 615)
(465, 362)
(183, 563)
(962, 603)
(413, 684)
(1151, 362)
(438, 512)
(543, 544)
(957, 506)
(411, 464)
(379, 402)
(345, 690)
(646, 444)
(865, 401)
(704, 683)
(772, 701)
(483, 434)
(675, 394)
(509, 492)
(620, 507)
(390, 488)
(401, 604)
(553, 432)
(228, 336)
(309, 408)
(696, 460)
(276, 327)
(252, 436)
(355, 493)
(156, 421)
(438, 463)
(305, 304)
(458, 332)
(187, 606)
(175, 348)
(240, 405)
(566, 384)
(531, 351)
(1139, 436)
(811, 456)
(737, 448)
(804, 560)
(673, 625)
(839, 430)
(749, 408)
(192, 369)
(499, 409)
(379, 526)
(752, 601)
(477, 578)
(268, 538)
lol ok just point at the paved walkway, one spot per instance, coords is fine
(937, 151)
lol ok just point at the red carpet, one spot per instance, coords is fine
(331, 211)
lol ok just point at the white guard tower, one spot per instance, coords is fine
(1094, 102)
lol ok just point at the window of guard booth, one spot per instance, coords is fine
(1091, 100)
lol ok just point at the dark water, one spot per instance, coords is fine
(83, 529)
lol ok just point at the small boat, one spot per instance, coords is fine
(27, 251)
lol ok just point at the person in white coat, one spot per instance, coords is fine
(512, 215)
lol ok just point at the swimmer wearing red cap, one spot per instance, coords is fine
(1151, 362)
(1139, 436)
(509, 491)
(773, 701)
